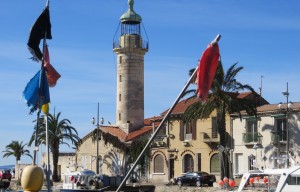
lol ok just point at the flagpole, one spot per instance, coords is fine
(163, 121)
(39, 105)
(48, 153)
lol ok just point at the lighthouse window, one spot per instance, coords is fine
(120, 78)
(119, 116)
(120, 97)
(120, 59)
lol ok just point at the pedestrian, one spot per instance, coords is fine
(20, 175)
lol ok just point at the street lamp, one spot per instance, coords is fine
(288, 106)
(97, 137)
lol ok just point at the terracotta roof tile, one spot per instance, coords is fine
(124, 137)
(137, 133)
(184, 104)
(181, 106)
(244, 95)
(115, 131)
(154, 119)
(273, 108)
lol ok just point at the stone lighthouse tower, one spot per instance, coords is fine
(130, 50)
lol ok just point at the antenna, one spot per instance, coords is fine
(260, 90)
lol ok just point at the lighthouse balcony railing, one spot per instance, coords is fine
(144, 45)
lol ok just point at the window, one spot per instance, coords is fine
(252, 162)
(187, 130)
(188, 163)
(251, 127)
(120, 97)
(293, 180)
(190, 130)
(214, 125)
(215, 163)
(281, 129)
(252, 134)
(120, 59)
(119, 116)
(120, 78)
(199, 161)
(158, 164)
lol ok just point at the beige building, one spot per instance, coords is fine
(114, 148)
(66, 162)
(185, 147)
(261, 142)
(193, 146)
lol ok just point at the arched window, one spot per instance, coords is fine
(215, 163)
(188, 163)
(158, 164)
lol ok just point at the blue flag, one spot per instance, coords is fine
(35, 90)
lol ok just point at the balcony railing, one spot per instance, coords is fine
(252, 138)
(210, 137)
(160, 141)
(144, 45)
(278, 137)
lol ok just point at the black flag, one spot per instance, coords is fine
(41, 27)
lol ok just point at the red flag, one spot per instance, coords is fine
(206, 70)
(52, 74)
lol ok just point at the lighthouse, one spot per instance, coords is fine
(130, 49)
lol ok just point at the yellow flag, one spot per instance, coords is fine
(45, 108)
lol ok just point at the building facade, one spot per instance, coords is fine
(261, 142)
(186, 147)
(192, 146)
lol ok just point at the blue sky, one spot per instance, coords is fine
(262, 36)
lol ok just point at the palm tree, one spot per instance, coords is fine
(17, 149)
(59, 133)
(222, 99)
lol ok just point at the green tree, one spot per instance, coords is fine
(16, 149)
(222, 99)
(60, 132)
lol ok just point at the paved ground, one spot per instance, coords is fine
(158, 188)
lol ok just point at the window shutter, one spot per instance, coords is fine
(181, 131)
(194, 131)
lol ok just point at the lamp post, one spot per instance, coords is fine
(288, 105)
(97, 137)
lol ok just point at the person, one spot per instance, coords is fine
(20, 174)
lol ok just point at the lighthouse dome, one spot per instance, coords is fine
(131, 17)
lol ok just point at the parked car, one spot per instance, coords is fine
(5, 175)
(196, 178)
(5, 178)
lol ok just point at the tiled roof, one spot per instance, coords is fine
(273, 108)
(244, 95)
(124, 137)
(137, 133)
(181, 106)
(184, 104)
(114, 131)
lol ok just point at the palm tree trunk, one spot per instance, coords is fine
(222, 132)
(55, 153)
